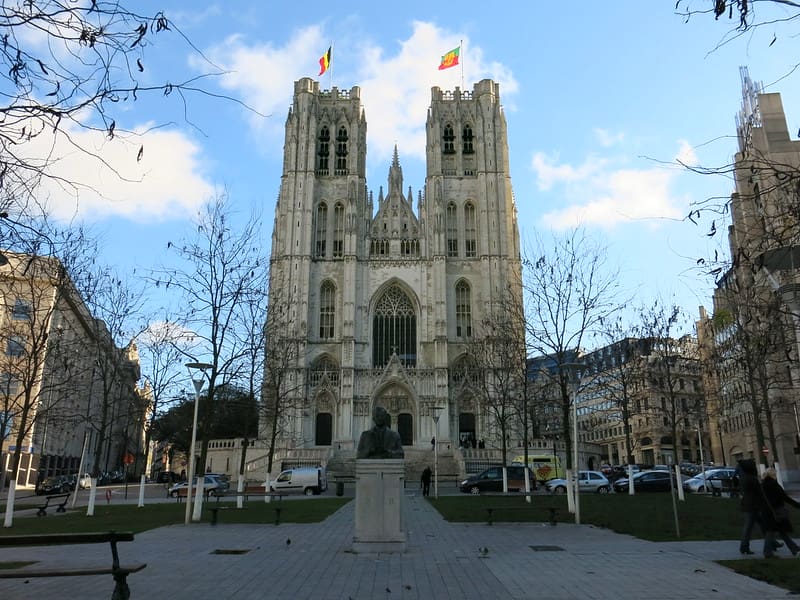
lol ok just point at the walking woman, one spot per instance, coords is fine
(754, 506)
(777, 499)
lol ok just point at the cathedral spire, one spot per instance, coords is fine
(395, 175)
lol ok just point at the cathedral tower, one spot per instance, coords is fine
(380, 301)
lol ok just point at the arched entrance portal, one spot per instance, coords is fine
(398, 403)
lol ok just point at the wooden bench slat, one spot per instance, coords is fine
(55, 539)
(77, 572)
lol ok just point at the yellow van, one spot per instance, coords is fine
(544, 466)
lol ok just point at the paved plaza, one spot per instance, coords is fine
(444, 560)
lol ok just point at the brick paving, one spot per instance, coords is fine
(444, 560)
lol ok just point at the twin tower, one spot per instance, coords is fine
(382, 299)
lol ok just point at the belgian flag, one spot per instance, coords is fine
(325, 61)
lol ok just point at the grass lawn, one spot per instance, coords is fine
(783, 573)
(126, 517)
(646, 516)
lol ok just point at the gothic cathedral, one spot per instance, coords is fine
(380, 305)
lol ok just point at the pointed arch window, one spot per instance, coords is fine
(451, 225)
(321, 230)
(341, 151)
(323, 150)
(394, 329)
(449, 140)
(463, 310)
(325, 368)
(467, 139)
(338, 230)
(470, 231)
(327, 311)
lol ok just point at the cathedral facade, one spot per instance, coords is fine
(380, 297)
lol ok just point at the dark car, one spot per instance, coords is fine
(491, 480)
(54, 485)
(168, 477)
(647, 481)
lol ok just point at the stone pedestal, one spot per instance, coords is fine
(379, 494)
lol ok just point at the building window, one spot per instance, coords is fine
(327, 310)
(341, 151)
(470, 231)
(9, 386)
(463, 310)
(394, 329)
(21, 310)
(451, 225)
(325, 369)
(338, 230)
(449, 139)
(321, 230)
(15, 346)
(467, 139)
(323, 150)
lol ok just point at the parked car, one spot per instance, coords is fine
(85, 481)
(167, 477)
(719, 479)
(54, 485)
(213, 484)
(306, 480)
(646, 481)
(588, 481)
(491, 480)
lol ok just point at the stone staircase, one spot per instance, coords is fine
(342, 464)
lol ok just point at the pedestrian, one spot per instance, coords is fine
(433, 443)
(426, 481)
(777, 499)
(754, 506)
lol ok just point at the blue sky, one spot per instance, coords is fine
(600, 99)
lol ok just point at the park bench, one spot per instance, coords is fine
(120, 573)
(64, 498)
(552, 512)
(215, 509)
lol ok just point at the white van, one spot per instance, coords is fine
(308, 480)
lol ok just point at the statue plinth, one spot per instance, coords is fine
(379, 496)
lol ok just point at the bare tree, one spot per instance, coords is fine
(70, 67)
(116, 305)
(283, 382)
(162, 346)
(569, 295)
(498, 355)
(225, 261)
(670, 367)
(42, 333)
(742, 15)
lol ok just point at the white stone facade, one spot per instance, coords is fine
(384, 299)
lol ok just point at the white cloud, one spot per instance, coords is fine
(686, 154)
(549, 173)
(609, 195)
(607, 138)
(94, 177)
(395, 81)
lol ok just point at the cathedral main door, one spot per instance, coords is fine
(398, 403)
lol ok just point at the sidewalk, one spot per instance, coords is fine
(444, 560)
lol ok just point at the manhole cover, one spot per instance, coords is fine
(546, 548)
(230, 551)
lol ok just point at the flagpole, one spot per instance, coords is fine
(330, 67)
(461, 54)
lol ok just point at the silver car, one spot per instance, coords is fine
(588, 481)
(708, 481)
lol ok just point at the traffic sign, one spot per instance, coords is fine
(128, 459)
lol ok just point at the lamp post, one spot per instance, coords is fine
(435, 417)
(197, 373)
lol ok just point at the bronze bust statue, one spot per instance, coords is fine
(380, 441)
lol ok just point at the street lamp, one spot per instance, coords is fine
(197, 373)
(435, 417)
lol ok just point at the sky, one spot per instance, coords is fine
(601, 100)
